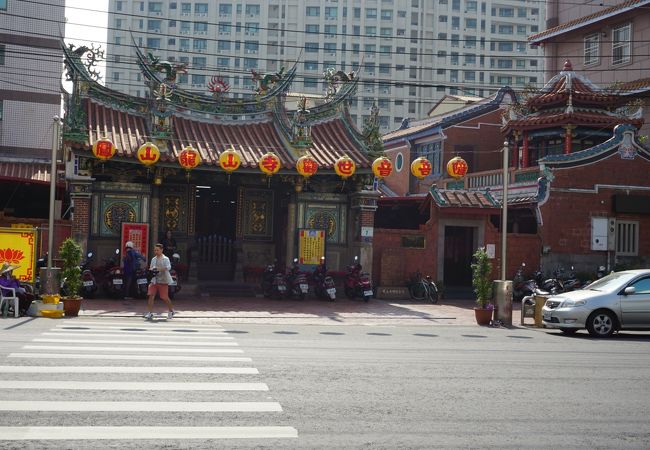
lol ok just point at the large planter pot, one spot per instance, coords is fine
(71, 306)
(483, 316)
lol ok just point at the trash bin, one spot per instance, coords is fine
(49, 282)
(540, 300)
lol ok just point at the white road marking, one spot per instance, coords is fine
(130, 385)
(140, 324)
(171, 330)
(141, 342)
(109, 334)
(156, 433)
(131, 349)
(140, 406)
(125, 369)
(50, 355)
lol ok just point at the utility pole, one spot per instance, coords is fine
(503, 287)
(50, 284)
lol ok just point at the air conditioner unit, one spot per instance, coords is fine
(185, 14)
(184, 32)
(201, 32)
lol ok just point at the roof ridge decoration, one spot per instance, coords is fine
(625, 142)
(269, 88)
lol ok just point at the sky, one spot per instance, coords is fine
(86, 23)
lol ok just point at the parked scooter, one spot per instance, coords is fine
(522, 287)
(114, 278)
(297, 281)
(357, 283)
(88, 282)
(40, 263)
(141, 282)
(324, 286)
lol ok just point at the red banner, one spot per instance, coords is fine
(138, 233)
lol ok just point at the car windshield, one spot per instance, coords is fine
(611, 282)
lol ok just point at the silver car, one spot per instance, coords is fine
(621, 300)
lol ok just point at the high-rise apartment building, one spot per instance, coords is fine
(409, 53)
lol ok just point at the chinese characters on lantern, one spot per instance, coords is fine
(189, 158)
(230, 160)
(148, 154)
(344, 167)
(382, 167)
(421, 167)
(269, 163)
(457, 167)
(103, 149)
(306, 166)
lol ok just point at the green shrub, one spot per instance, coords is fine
(481, 277)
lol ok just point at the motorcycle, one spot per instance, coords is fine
(88, 282)
(141, 282)
(297, 280)
(551, 285)
(267, 280)
(174, 286)
(114, 278)
(522, 287)
(40, 263)
(357, 283)
(324, 286)
(279, 287)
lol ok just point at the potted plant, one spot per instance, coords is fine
(70, 253)
(482, 284)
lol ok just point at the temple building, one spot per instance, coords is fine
(220, 173)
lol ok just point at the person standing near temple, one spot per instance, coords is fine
(160, 266)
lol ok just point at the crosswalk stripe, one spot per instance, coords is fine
(94, 406)
(142, 323)
(170, 330)
(131, 385)
(129, 369)
(51, 355)
(155, 433)
(142, 342)
(109, 334)
(131, 349)
(143, 332)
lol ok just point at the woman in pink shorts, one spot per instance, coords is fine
(161, 266)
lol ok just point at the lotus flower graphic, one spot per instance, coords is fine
(11, 255)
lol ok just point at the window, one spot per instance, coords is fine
(442, 19)
(250, 63)
(200, 27)
(331, 12)
(311, 65)
(455, 23)
(433, 152)
(627, 238)
(385, 50)
(223, 62)
(186, 8)
(251, 47)
(116, 76)
(329, 47)
(357, 13)
(313, 29)
(313, 11)
(455, 5)
(224, 27)
(171, 42)
(223, 45)
(387, 32)
(251, 28)
(200, 8)
(225, 9)
(470, 23)
(2, 55)
(371, 31)
(505, 29)
(154, 7)
(311, 47)
(505, 46)
(642, 286)
(621, 44)
(592, 47)
(200, 44)
(153, 42)
(471, 6)
(371, 13)
(330, 30)
(311, 82)
(198, 62)
(198, 79)
(185, 27)
(386, 14)
(252, 10)
(3, 5)
(504, 64)
(184, 45)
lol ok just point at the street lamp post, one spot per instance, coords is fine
(50, 284)
(503, 287)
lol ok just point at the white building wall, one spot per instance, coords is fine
(411, 52)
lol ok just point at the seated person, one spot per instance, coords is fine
(7, 280)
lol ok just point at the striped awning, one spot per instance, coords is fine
(25, 172)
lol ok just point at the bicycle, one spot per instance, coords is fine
(423, 288)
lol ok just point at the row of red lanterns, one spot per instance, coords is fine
(230, 160)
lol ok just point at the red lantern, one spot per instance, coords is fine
(382, 167)
(148, 154)
(421, 167)
(103, 149)
(269, 163)
(457, 167)
(345, 167)
(307, 166)
(230, 160)
(189, 158)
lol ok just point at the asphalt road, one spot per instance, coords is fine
(126, 383)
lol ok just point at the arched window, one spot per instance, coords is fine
(399, 162)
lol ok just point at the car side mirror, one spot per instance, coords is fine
(629, 290)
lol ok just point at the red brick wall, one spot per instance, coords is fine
(398, 182)
(81, 223)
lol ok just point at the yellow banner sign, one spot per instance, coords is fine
(18, 248)
(311, 246)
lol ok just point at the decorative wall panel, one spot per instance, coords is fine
(256, 214)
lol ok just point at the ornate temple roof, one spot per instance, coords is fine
(211, 124)
(570, 99)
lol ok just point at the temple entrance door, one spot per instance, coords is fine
(215, 221)
(459, 244)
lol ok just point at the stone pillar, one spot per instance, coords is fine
(365, 203)
(80, 193)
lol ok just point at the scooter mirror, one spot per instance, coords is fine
(117, 251)
(90, 254)
(523, 264)
(356, 258)
(295, 260)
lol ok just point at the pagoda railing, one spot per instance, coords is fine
(493, 179)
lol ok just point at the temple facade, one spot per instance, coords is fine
(220, 173)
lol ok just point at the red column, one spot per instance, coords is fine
(515, 150)
(568, 140)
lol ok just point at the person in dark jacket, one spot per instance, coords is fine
(129, 269)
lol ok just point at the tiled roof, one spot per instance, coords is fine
(252, 139)
(593, 119)
(25, 171)
(586, 20)
(461, 198)
(635, 86)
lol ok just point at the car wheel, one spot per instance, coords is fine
(569, 331)
(601, 324)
